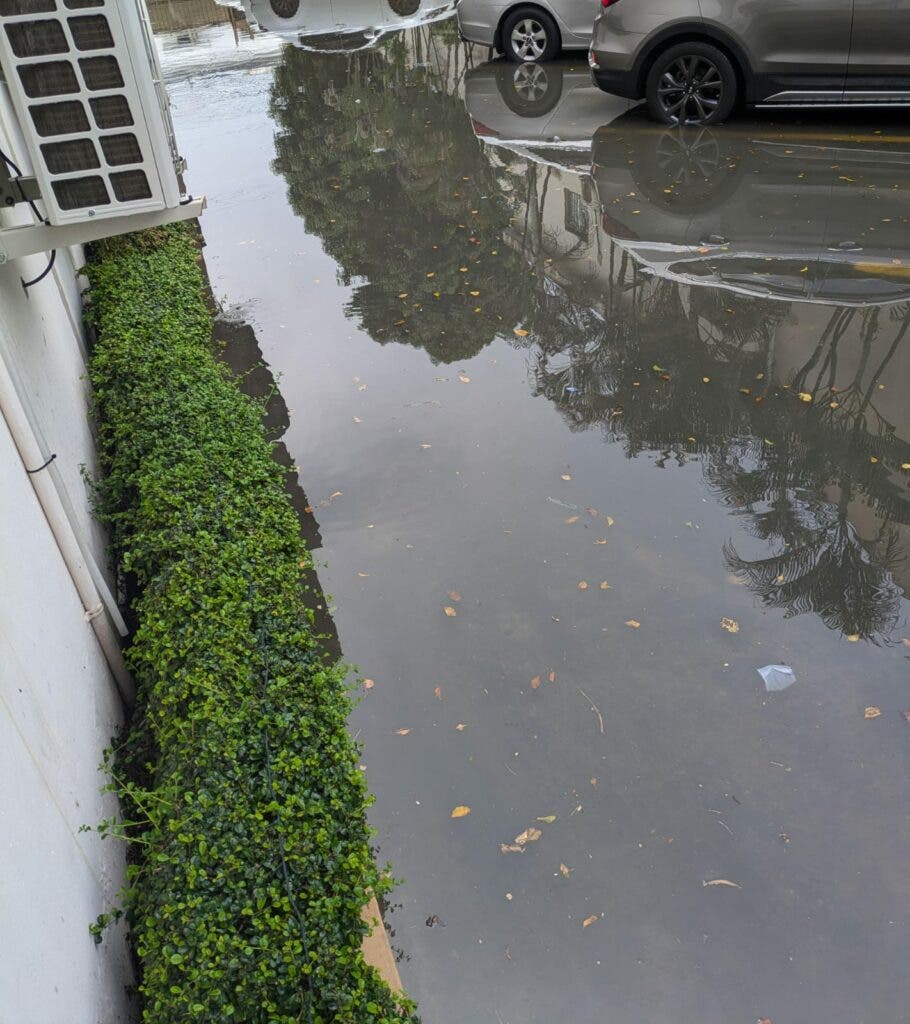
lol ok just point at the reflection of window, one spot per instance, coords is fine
(576, 215)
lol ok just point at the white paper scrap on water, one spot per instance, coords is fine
(777, 677)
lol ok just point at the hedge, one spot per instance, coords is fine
(242, 800)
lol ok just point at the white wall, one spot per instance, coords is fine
(59, 706)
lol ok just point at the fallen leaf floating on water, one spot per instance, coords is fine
(530, 835)
(634, 623)
(872, 712)
(551, 675)
(571, 520)
(604, 585)
(765, 1020)
(363, 575)
(535, 683)
(368, 684)
(438, 693)
(461, 811)
(402, 732)
(722, 882)
(464, 378)
(588, 921)
(804, 396)
(566, 476)
(510, 848)
(453, 595)
(906, 716)
(905, 641)
(565, 871)
(461, 727)
(548, 819)
(730, 625)
(425, 446)
(582, 585)
(520, 332)
(435, 921)
(853, 638)
(450, 611)
(601, 540)
(610, 520)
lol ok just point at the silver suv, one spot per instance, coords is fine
(528, 31)
(694, 60)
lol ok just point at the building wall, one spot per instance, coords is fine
(59, 706)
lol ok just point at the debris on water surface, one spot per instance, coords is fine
(872, 712)
(730, 625)
(461, 811)
(435, 921)
(588, 921)
(777, 677)
(723, 882)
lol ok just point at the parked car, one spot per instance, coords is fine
(780, 211)
(528, 32)
(695, 60)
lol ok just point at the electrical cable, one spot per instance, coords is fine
(17, 170)
(37, 280)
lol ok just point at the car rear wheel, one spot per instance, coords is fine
(529, 34)
(691, 83)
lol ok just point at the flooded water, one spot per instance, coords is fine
(596, 420)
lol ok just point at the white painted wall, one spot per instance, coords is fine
(59, 706)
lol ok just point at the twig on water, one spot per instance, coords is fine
(595, 709)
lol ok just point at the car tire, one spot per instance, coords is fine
(531, 90)
(530, 34)
(691, 83)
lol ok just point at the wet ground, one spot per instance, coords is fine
(596, 420)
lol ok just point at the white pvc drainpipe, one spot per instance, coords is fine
(49, 498)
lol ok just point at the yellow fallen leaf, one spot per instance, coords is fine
(872, 712)
(475, 294)
(463, 270)
(535, 683)
(634, 623)
(834, 405)
(610, 520)
(873, 459)
(530, 835)
(588, 921)
(437, 693)
(564, 870)
(582, 585)
(461, 811)
(905, 465)
(604, 585)
(722, 881)
(551, 675)
(548, 819)
(601, 540)
(450, 611)
(566, 476)
(571, 520)
(730, 625)
(368, 684)
(363, 575)
(521, 332)
(402, 732)
(461, 727)
(706, 380)
(464, 378)
(853, 638)
(403, 295)
(804, 396)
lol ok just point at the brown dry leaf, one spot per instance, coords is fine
(521, 332)
(511, 848)
(450, 611)
(582, 585)
(461, 811)
(564, 870)
(588, 921)
(551, 675)
(723, 882)
(634, 623)
(872, 712)
(730, 625)
(765, 1020)
(461, 727)
(604, 585)
(438, 693)
(566, 476)
(571, 520)
(464, 378)
(592, 511)
(548, 819)
(535, 683)
(402, 732)
(530, 835)
(601, 540)
(454, 596)
(368, 684)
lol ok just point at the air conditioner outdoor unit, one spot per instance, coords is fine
(85, 83)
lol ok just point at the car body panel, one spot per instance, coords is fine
(479, 20)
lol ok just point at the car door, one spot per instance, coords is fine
(577, 16)
(796, 47)
(879, 50)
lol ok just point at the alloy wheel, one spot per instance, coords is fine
(529, 39)
(690, 90)
(531, 82)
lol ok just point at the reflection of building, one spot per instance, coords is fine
(178, 15)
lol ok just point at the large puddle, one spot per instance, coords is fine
(596, 420)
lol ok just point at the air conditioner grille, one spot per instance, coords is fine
(101, 73)
(74, 155)
(51, 78)
(81, 193)
(85, 82)
(66, 118)
(37, 38)
(91, 32)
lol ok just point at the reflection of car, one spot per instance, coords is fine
(694, 59)
(761, 209)
(528, 32)
(545, 107)
(342, 25)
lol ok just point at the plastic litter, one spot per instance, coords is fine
(777, 677)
